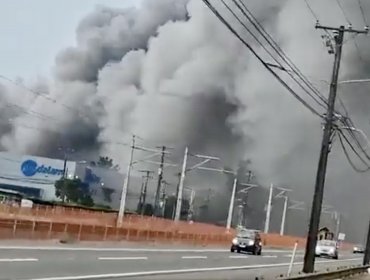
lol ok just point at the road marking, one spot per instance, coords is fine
(19, 260)
(297, 256)
(194, 257)
(167, 250)
(121, 258)
(238, 257)
(269, 256)
(179, 271)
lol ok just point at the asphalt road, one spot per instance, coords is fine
(72, 263)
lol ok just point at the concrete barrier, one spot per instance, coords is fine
(331, 275)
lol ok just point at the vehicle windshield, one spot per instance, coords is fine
(246, 234)
(326, 243)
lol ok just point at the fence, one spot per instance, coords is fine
(46, 222)
(22, 229)
(89, 217)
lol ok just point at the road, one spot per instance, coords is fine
(72, 263)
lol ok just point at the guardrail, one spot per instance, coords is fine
(331, 275)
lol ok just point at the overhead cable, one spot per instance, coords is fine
(275, 46)
(350, 161)
(238, 36)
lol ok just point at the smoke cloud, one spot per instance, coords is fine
(171, 73)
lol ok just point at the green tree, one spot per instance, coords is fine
(105, 162)
(73, 191)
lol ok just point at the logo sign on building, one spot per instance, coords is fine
(30, 168)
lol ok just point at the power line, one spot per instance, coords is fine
(341, 134)
(316, 17)
(311, 10)
(31, 112)
(37, 93)
(363, 13)
(55, 101)
(238, 36)
(343, 12)
(348, 122)
(253, 20)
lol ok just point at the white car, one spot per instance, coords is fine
(358, 249)
(327, 248)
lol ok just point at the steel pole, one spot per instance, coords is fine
(181, 187)
(125, 186)
(282, 227)
(268, 210)
(231, 206)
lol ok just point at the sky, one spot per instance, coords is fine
(32, 32)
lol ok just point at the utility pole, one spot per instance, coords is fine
(268, 209)
(282, 227)
(231, 206)
(245, 200)
(366, 260)
(191, 205)
(140, 205)
(159, 184)
(337, 223)
(145, 189)
(181, 186)
(121, 211)
(65, 170)
(164, 198)
(309, 258)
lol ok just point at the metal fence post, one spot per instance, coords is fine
(105, 233)
(79, 232)
(14, 227)
(33, 229)
(50, 228)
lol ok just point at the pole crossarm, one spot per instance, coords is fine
(296, 205)
(198, 164)
(342, 29)
(282, 193)
(217, 170)
(164, 164)
(145, 149)
(147, 157)
(207, 157)
(246, 190)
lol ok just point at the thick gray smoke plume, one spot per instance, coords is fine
(171, 73)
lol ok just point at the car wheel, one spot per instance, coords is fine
(255, 251)
(232, 250)
(238, 250)
(335, 257)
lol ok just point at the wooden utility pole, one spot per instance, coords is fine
(309, 258)
(366, 260)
